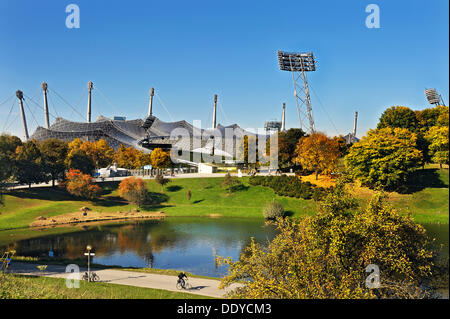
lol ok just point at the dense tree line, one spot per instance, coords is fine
(37, 162)
(403, 141)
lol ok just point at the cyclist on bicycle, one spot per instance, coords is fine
(181, 277)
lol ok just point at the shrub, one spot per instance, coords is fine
(230, 182)
(290, 186)
(134, 190)
(273, 210)
(188, 194)
(81, 185)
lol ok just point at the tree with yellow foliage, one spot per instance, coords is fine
(160, 159)
(317, 153)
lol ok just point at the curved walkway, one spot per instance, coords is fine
(200, 286)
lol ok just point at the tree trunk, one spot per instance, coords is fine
(317, 175)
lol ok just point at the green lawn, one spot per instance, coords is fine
(30, 287)
(208, 197)
(427, 200)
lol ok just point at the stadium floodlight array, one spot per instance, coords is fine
(299, 63)
(291, 61)
(433, 97)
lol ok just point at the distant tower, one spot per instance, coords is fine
(90, 87)
(19, 95)
(150, 104)
(214, 111)
(354, 124)
(283, 118)
(47, 120)
(214, 123)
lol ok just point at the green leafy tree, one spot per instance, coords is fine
(29, 165)
(8, 146)
(287, 141)
(230, 182)
(384, 158)
(428, 117)
(54, 153)
(79, 160)
(399, 116)
(326, 256)
(159, 179)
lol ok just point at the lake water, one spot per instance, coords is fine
(189, 244)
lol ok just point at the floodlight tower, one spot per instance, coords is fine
(434, 97)
(47, 120)
(298, 64)
(19, 95)
(283, 118)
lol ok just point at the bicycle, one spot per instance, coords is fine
(186, 285)
(94, 277)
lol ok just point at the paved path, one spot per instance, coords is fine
(200, 286)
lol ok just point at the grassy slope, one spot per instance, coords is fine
(428, 202)
(29, 287)
(208, 197)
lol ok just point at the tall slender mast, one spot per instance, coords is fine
(90, 87)
(19, 95)
(150, 104)
(214, 111)
(47, 120)
(354, 124)
(214, 122)
(283, 118)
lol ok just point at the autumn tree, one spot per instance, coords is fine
(81, 185)
(99, 151)
(29, 165)
(325, 256)
(439, 149)
(134, 190)
(54, 153)
(160, 159)
(432, 116)
(384, 157)
(317, 153)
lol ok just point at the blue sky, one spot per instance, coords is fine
(190, 50)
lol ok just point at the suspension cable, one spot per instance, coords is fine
(9, 114)
(73, 108)
(323, 109)
(7, 100)
(164, 106)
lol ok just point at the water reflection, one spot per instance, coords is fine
(189, 244)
